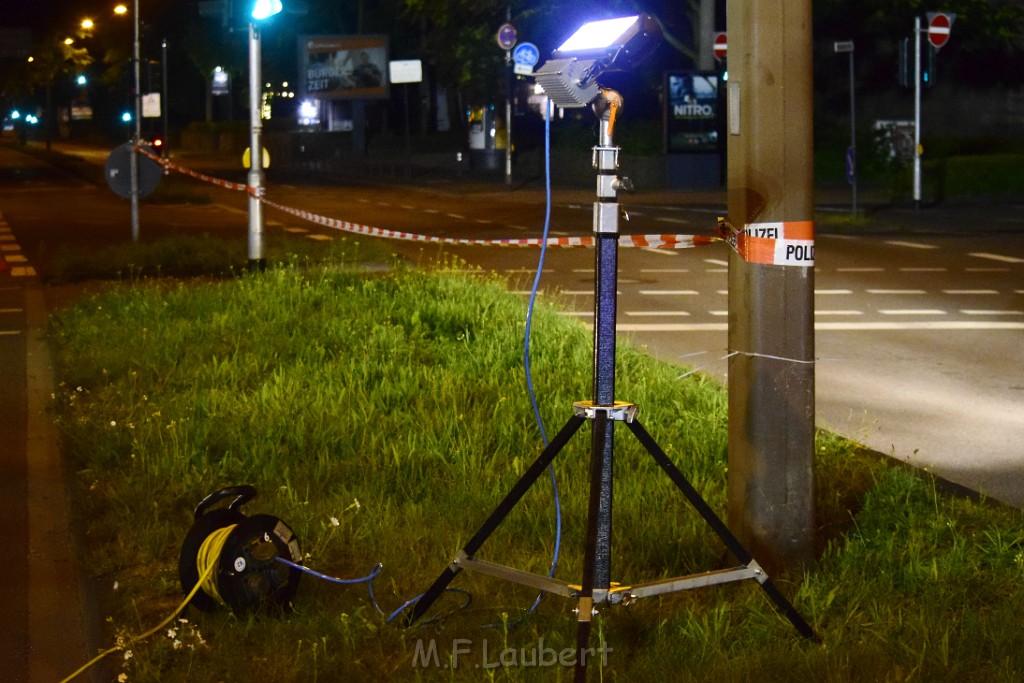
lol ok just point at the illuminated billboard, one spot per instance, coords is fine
(344, 67)
(691, 116)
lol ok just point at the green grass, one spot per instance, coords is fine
(323, 386)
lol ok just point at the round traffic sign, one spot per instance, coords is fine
(117, 171)
(506, 36)
(526, 54)
(938, 29)
(721, 45)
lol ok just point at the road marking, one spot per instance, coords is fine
(652, 314)
(997, 257)
(911, 311)
(16, 258)
(296, 231)
(839, 312)
(456, 216)
(896, 291)
(860, 270)
(986, 270)
(923, 270)
(9, 333)
(10, 247)
(319, 237)
(829, 292)
(677, 221)
(716, 262)
(23, 271)
(669, 292)
(12, 310)
(718, 314)
(659, 252)
(664, 270)
(969, 291)
(911, 245)
(982, 312)
(930, 326)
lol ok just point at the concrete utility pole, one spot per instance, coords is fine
(771, 280)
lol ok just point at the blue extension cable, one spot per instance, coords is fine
(375, 572)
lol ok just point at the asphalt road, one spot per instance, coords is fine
(919, 328)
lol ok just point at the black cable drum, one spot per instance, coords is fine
(248, 578)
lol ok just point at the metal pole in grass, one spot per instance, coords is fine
(262, 10)
(570, 80)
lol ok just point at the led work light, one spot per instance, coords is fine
(570, 77)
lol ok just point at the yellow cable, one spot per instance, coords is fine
(206, 564)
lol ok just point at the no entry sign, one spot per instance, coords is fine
(939, 25)
(721, 46)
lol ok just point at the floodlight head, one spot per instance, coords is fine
(616, 44)
(570, 78)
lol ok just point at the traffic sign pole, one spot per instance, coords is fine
(917, 112)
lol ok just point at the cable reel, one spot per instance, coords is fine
(236, 557)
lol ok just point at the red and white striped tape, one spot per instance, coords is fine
(648, 241)
(778, 243)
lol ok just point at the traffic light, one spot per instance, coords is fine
(905, 69)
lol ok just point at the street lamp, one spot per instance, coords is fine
(261, 11)
(133, 157)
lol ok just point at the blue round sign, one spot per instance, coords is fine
(526, 54)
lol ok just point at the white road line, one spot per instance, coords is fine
(296, 231)
(319, 238)
(923, 270)
(677, 221)
(716, 262)
(9, 333)
(663, 270)
(997, 257)
(860, 270)
(659, 252)
(830, 292)
(911, 245)
(669, 292)
(912, 311)
(23, 271)
(11, 310)
(839, 312)
(10, 247)
(896, 291)
(456, 216)
(718, 314)
(969, 311)
(930, 326)
(655, 314)
(16, 258)
(986, 270)
(969, 291)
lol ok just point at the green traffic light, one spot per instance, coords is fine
(264, 9)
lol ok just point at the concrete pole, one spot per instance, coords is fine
(771, 305)
(257, 261)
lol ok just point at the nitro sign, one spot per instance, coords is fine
(691, 119)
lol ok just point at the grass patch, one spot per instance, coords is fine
(404, 391)
(207, 256)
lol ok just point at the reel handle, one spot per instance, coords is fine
(242, 494)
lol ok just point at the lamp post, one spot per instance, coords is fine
(262, 10)
(133, 157)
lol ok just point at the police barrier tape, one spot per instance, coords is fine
(779, 243)
(648, 241)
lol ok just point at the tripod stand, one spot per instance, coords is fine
(603, 412)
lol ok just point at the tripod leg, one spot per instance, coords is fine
(719, 527)
(518, 491)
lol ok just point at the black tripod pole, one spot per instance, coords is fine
(597, 553)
